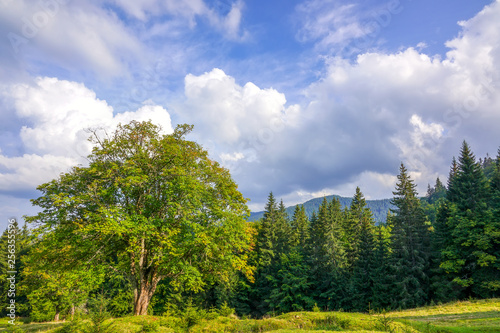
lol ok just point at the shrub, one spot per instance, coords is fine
(152, 326)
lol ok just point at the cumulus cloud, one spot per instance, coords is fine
(414, 107)
(57, 114)
(229, 113)
(363, 118)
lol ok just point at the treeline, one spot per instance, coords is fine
(440, 248)
(443, 247)
(378, 207)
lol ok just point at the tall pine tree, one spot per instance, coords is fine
(409, 242)
(361, 282)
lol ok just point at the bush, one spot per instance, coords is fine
(98, 312)
(152, 326)
(75, 325)
(225, 310)
(333, 322)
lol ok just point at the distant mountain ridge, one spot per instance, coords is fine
(379, 208)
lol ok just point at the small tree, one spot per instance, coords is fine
(148, 206)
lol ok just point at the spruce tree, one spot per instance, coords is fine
(382, 296)
(266, 257)
(283, 231)
(299, 229)
(473, 257)
(327, 255)
(443, 289)
(451, 191)
(291, 285)
(409, 243)
(364, 265)
(354, 218)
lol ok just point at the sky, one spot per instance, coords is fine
(302, 98)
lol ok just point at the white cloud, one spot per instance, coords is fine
(422, 130)
(339, 27)
(362, 120)
(182, 12)
(71, 35)
(57, 114)
(328, 22)
(367, 116)
(229, 113)
(26, 172)
(143, 9)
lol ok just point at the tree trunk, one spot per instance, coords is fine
(142, 297)
(72, 311)
(144, 292)
(145, 285)
(56, 317)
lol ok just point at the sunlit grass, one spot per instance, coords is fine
(457, 317)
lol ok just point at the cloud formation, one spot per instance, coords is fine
(71, 35)
(57, 114)
(357, 120)
(363, 118)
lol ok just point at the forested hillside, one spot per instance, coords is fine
(379, 208)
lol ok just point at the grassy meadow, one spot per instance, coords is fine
(460, 317)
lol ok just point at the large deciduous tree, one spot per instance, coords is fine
(149, 206)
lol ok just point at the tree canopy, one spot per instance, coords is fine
(149, 206)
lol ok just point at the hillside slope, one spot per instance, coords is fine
(379, 208)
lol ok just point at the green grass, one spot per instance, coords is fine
(458, 317)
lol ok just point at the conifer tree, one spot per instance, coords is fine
(409, 243)
(473, 257)
(354, 216)
(382, 297)
(451, 193)
(495, 186)
(443, 289)
(291, 284)
(266, 238)
(327, 255)
(300, 229)
(283, 231)
(364, 265)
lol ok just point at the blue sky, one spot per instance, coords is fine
(302, 98)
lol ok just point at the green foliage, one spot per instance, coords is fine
(14, 246)
(14, 329)
(333, 322)
(290, 285)
(410, 248)
(472, 257)
(152, 215)
(384, 322)
(225, 310)
(75, 325)
(97, 307)
(150, 206)
(153, 326)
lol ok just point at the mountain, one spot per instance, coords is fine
(379, 208)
